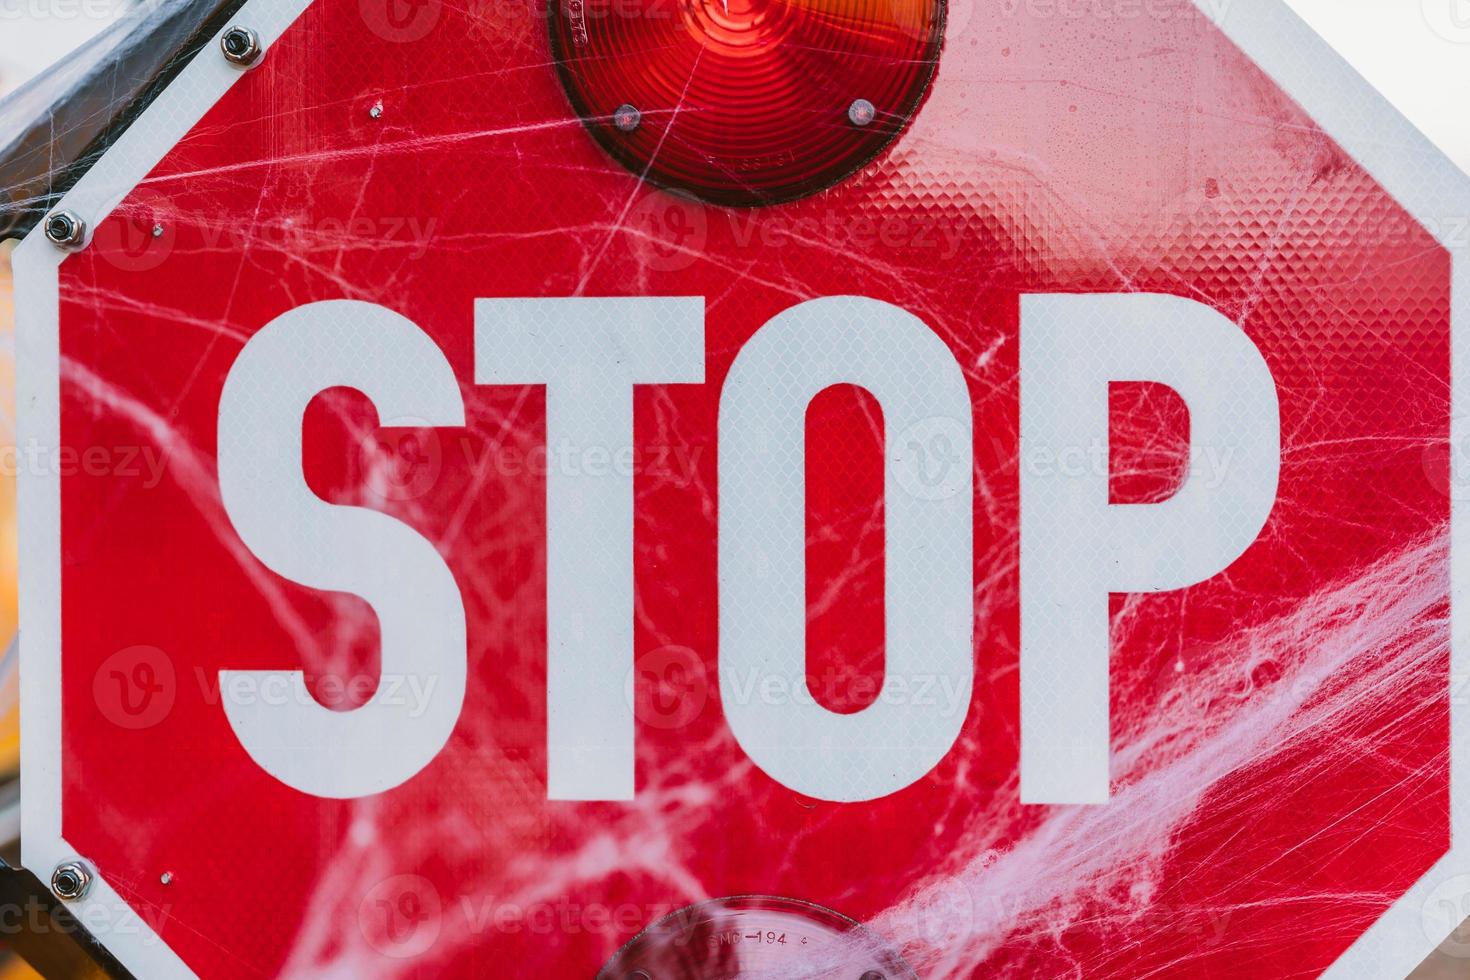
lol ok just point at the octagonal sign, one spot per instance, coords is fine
(679, 490)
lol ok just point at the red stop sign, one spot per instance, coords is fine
(445, 554)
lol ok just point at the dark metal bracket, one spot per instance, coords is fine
(56, 126)
(43, 932)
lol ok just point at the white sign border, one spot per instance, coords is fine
(1304, 66)
(1428, 185)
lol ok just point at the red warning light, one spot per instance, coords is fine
(746, 102)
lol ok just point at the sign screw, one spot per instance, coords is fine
(66, 231)
(241, 46)
(627, 118)
(861, 112)
(71, 880)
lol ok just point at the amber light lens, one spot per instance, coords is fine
(746, 102)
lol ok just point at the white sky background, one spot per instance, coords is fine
(1417, 52)
(36, 33)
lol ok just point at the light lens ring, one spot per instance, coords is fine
(746, 102)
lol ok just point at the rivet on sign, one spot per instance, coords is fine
(66, 231)
(166, 878)
(861, 112)
(377, 110)
(158, 231)
(241, 46)
(627, 118)
(71, 880)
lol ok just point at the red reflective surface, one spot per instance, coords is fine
(1280, 731)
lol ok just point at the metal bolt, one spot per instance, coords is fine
(166, 878)
(377, 110)
(66, 231)
(71, 880)
(861, 112)
(241, 46)
(627, 118)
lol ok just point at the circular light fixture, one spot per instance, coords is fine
(746, 102)
(755, 936)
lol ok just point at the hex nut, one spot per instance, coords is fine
(70, 881)
(241, 46)
(65, 230)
